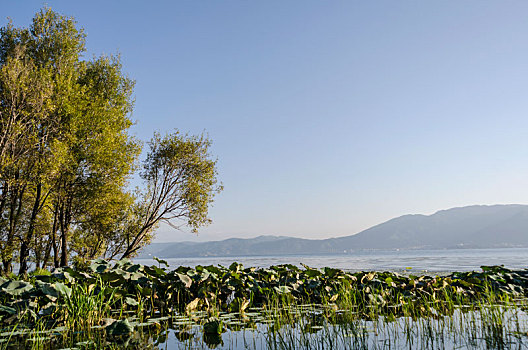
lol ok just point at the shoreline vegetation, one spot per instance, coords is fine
(124, 304)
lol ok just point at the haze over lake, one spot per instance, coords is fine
(391, 260)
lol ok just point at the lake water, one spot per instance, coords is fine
(444, 260)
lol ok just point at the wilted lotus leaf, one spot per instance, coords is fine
(130, 301)
(16, 288)
(186, 280)
(192, 305)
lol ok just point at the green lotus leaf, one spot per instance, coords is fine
(99, 266)
(123, 262)
(48, 289)
(283, 289)
(63, 289)
(161, 261)
(213, 269)
(145, 291)
(7, 310)
(154, 271)
(134, 268)
(112, 276)
(138, 276)
(44, 278)
(16, 288)
(64, 274)
(235, 267)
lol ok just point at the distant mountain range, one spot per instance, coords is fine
(476, 226)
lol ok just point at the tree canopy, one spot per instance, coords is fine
(66, 155)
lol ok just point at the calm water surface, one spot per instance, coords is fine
(392, 260)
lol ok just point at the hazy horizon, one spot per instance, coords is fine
(188, 237)
(327, 118)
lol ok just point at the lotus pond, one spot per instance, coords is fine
(126, 305)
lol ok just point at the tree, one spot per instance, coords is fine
(63, 135)
(66, 154)
(181, 182)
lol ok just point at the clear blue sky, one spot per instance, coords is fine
(327, 117)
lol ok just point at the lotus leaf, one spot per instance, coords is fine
(131, 302)
(155, 271)
(63, 289)
(16, 288)
(192, 305)
(161, 261)
(48, 289)
(186, 280)
(7, 310)
(123, 262)
(134, 268)
(283, 289)
(99, 266)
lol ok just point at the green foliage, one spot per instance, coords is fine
(116, 298)
(66, 155)
(181, 181)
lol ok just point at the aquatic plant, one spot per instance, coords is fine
(112, 300)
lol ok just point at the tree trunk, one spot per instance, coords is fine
(14, 216)
(54, 238)
(65, 219)
(24, 247)
(47, 253)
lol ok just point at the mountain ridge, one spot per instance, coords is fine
(476, 226)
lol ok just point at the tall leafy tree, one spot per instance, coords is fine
(63, 134)
(66, 154)
(181, 183)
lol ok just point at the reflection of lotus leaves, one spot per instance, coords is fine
(183, 336)
(212, 326)
(121, 327)
(213, 340)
